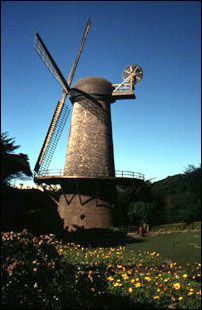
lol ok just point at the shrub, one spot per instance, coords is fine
(31, 272)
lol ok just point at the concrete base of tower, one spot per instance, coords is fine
(81, 211)
(86, 204)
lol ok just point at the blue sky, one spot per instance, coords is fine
(157, 134)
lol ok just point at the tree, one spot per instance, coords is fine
(13, 166)
(127, 195)
(140, 212)
(192, 169)
(192, 179)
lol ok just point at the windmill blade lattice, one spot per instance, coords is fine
(49, 62)
(71, 75)
(57, 124)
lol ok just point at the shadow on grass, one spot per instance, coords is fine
(99, 237)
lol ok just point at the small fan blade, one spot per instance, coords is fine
(49, 62)
(71, 75)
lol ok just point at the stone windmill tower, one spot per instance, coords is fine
(88, 182)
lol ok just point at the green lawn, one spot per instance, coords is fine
(181, 247)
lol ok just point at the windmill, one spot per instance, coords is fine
(88, 182)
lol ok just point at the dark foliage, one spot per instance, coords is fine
(31, 209)
(13, 166)
(99, 237)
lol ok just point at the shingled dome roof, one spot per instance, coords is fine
(94, 85)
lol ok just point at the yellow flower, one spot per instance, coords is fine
(199, 292)
(190, 293)
(147, 279)
(132, 281)
(60, 251)
(137, 279)
(156, 297)
(184, 276)
(158, 290)
(130, 289)
(110, 278)
(180, 298)
(176, 286)
(176, 277)
(137, 284)
(173, 298)
(124, 276)
(117, 284)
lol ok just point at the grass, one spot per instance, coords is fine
(46, 273)
(182, 247)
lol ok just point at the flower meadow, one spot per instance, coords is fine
(46, 273)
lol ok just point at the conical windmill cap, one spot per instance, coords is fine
(93, 85)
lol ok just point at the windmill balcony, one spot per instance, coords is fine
(118, 173)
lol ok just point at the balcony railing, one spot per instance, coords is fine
(118, 173)
(129, 174)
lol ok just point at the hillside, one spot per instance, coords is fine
(178, 198)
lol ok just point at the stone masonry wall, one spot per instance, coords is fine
(90, 145)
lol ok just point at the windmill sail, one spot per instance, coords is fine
(62, 111)
(70, 78)
(54, 132)
(49, 62)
